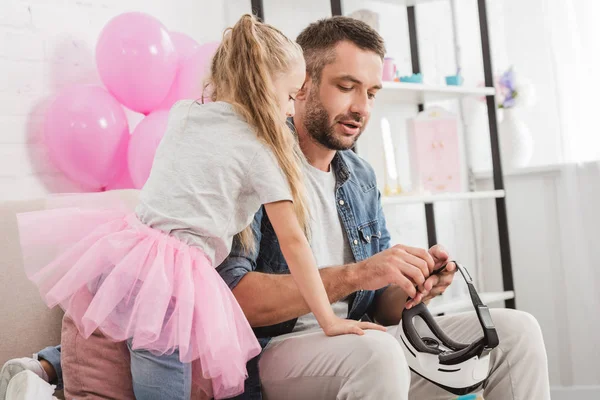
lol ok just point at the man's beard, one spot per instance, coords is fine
(318, 127)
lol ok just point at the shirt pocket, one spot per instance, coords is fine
(369, 235)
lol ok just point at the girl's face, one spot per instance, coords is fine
(287, 85)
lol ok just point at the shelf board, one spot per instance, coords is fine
(524, 171)
(464, 303)
(432, 198)
(416, 93)
(405, 2)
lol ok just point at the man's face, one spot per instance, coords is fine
(337, 109)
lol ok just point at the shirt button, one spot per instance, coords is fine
(368, 239)
(355, 241)
(341, 202)
(378, 233)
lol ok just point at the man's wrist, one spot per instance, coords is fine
(353, 276)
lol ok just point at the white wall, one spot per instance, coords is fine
(552, 218)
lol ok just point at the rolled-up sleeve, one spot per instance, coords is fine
(233, 269)
(241, 261)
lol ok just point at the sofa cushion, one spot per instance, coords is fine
(27, 324)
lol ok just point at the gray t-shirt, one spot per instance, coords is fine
(210, 176)
(328, 238)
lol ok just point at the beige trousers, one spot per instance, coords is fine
(310, 365)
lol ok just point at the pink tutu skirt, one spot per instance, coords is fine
(111, 272)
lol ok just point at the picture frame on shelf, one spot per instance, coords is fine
(434, 151)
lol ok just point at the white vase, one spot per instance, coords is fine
(516, 143)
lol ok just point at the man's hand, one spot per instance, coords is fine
(400, 265)
(436, 284)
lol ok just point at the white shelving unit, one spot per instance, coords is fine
(535, 170)
(432, 198)
(416, 93)
(421, 96)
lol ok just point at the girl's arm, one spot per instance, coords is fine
(302, 265)
(300, 259)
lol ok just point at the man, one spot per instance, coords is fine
(351, 244)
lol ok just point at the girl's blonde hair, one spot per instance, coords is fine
(250, 55)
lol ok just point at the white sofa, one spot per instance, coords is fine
(27, 325)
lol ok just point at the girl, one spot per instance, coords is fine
(149, 277)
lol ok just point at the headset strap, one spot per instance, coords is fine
(483, 313)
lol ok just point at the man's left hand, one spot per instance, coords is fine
(436, 284)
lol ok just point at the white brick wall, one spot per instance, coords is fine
(47, 44)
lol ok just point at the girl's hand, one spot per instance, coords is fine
(338, 326)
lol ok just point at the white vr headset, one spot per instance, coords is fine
(456, 367)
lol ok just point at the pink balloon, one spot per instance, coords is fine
(192, 71)
(86, 132)
(136, 60)
(142, 147)
(123, 181)
(184, 45)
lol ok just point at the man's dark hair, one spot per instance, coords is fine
(318, 41)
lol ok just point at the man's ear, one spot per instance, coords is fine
(305, 89)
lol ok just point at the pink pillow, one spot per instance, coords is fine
(94, 368)
(97, 368)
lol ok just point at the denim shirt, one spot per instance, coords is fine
(359, 206)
